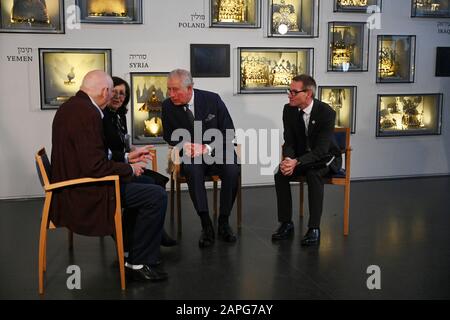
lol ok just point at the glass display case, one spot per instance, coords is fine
(148, 91)
(430, 8)
(270, 70)
(32, 16)
(293, 18)
(62, 71)
(358, 6)
(348, 46)
(396, 58)
(343, 100)
(409, 114)
(235, 13)
(110, 11)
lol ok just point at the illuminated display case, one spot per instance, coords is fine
(32, 16)
(62, 71)
(430, 8)
(148, 91)
(409, 114)
(293, 18)
(348, 46)
(396, 58)
(110, 11)
(343, 100)
(270, 70)
(235, 13)
(358, 6)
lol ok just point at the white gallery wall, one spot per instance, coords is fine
(24, 127)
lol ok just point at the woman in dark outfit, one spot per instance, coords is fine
(118, 141)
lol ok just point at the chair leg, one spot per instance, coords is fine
(215, 199)
(346, 208)
(302, 199)
(178, 194)
(43, 241)
(70, 238)
(239, 202)
(119, 246)
(45, 256)
(172, 199)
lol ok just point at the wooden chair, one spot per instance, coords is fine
(176, 179)
(44, 170)
(342, 136)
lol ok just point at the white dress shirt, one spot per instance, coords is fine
(191, 104)
(307, 115)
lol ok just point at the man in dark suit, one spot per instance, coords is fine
(185, 109)
(309, 149)
(78, 151)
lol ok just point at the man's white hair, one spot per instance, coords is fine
(184, 75)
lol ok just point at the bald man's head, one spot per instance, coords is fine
(98, 85)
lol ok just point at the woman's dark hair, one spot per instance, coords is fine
(117, 82)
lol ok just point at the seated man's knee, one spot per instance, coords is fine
(161, 193)
(193, 171)
(231, 170)
(312, 174)
(279, 176)
(156, 195)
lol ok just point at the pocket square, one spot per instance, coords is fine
(210, 117)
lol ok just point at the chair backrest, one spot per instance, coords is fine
(342, 137)
(43, 167)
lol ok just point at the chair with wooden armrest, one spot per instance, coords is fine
(44, 170)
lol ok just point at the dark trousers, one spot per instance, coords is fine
(145, 206)
(315, 194)
(195, 176)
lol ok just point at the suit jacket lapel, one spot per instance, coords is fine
(180, 114)
(199, 106)
(313, 117)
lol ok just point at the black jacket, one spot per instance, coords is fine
(320, 144)
(115, 129)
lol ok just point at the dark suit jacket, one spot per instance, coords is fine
(209, 109)
(320, 139)
(78, 151)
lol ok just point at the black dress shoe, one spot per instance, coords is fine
(156, 264)
(225, 233)
(146, 273)
(167, 241)
(207, 237)
(311, 238)
(284, 231)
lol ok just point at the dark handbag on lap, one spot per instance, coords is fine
(160, 179)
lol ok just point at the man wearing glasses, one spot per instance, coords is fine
(309, 150)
